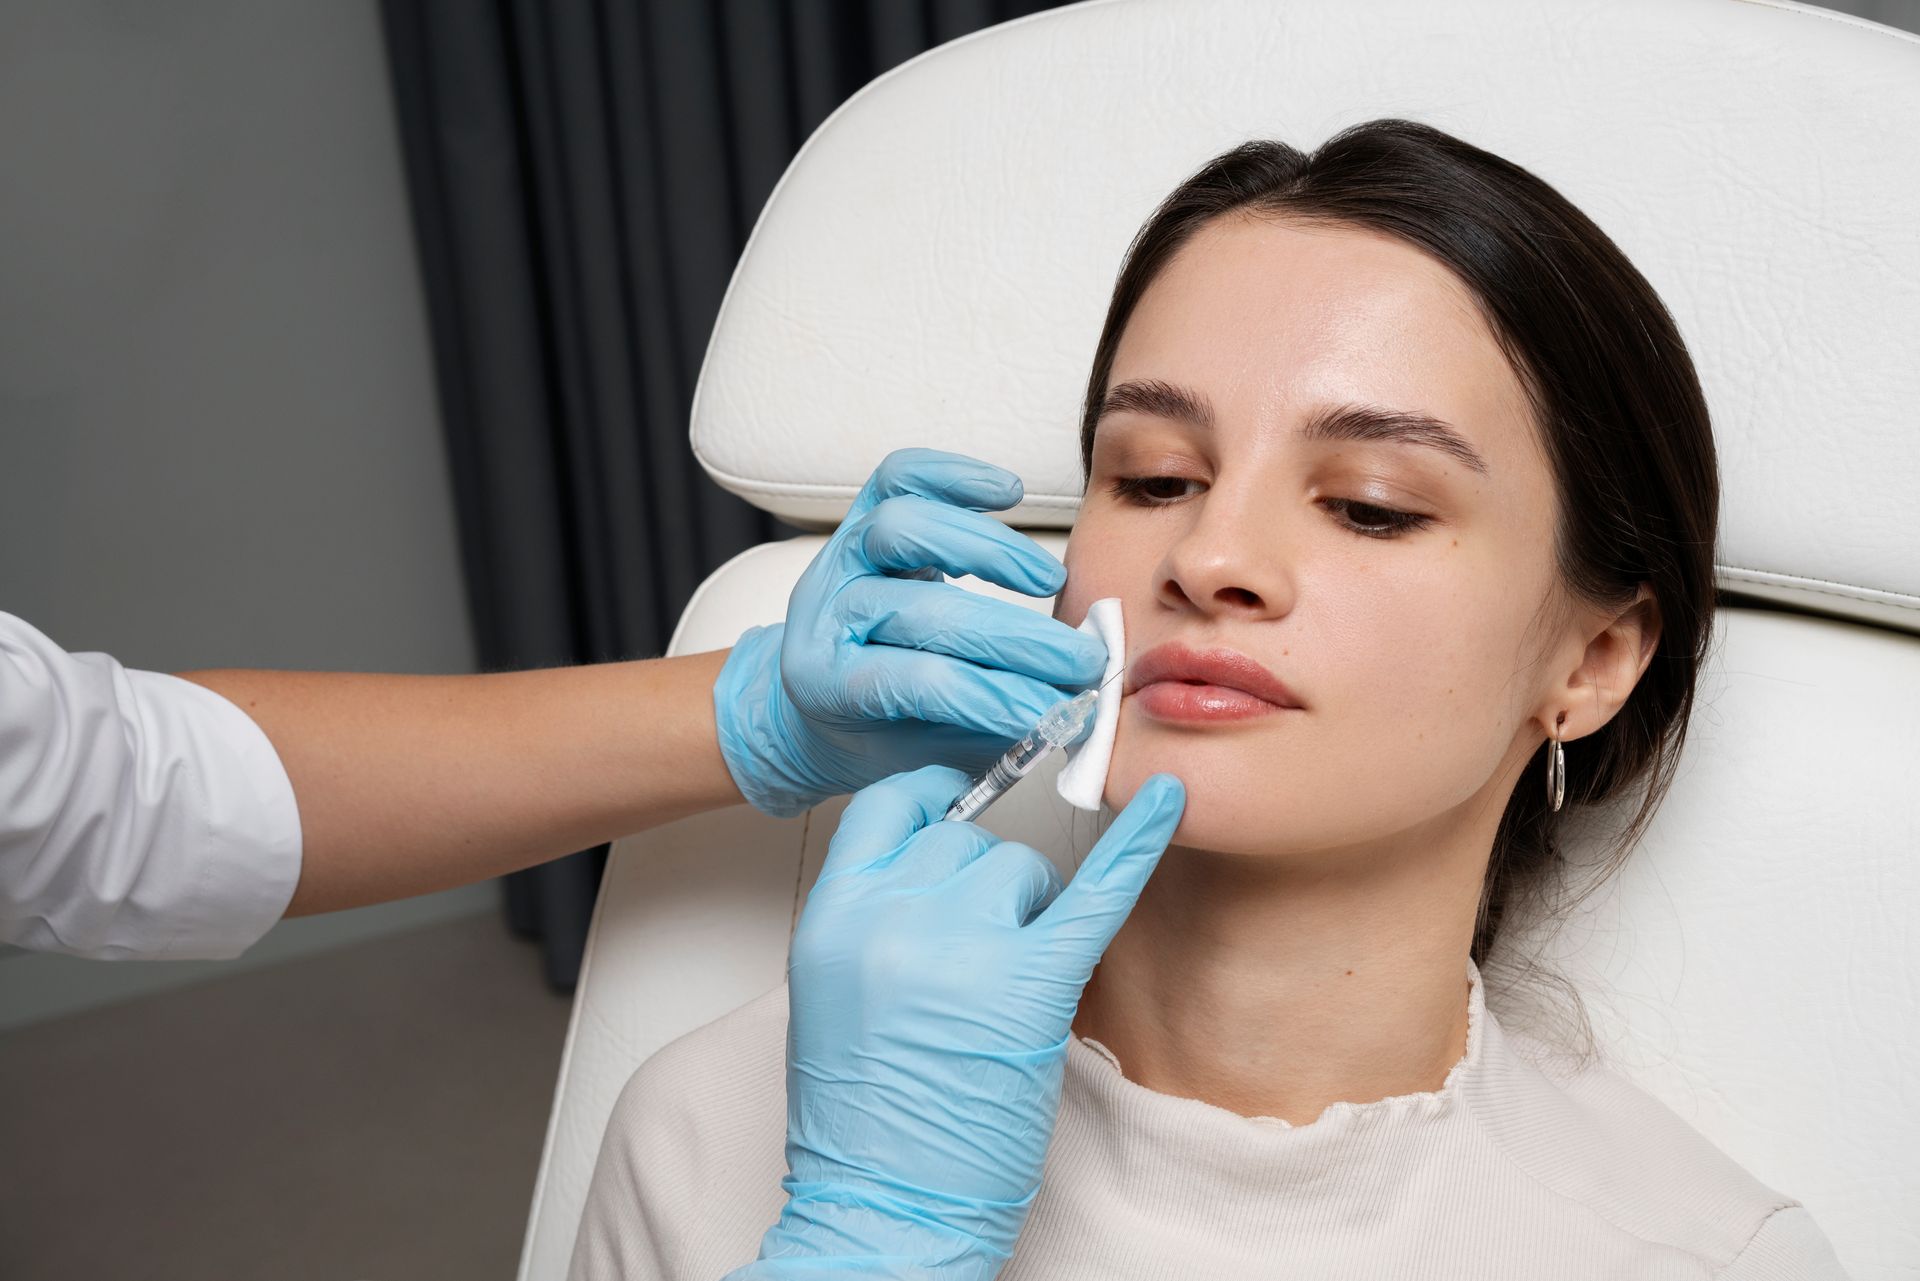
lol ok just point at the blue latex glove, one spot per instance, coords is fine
(880, 666)
(933, 980)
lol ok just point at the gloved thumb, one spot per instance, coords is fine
(882, 816)
(1089, 912)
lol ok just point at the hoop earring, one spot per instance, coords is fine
(1556, 768)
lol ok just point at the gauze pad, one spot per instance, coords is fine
(1083, 782)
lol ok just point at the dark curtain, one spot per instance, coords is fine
(583, 176)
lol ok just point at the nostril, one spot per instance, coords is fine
(1238, 596)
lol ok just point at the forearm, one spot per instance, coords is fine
(408, 784)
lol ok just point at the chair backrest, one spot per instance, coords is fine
(934, 268)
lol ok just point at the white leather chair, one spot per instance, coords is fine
(934, 267)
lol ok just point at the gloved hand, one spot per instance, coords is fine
(880, 666)
(933, 980)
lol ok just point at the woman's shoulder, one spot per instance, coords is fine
(736, 1059)
(709, 1091)
(1587, 1132)
(688, 1177)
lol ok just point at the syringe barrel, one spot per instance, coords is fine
(1005, 772)
(1021, 758)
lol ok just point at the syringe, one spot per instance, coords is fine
(1059, 727)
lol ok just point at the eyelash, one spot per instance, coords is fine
(1133, 489)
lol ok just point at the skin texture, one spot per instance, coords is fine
(1305, 940)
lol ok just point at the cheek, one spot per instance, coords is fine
(1070, 606)
(1414, 686)
(1098, 565)
(1432, 656)
(1406, 662)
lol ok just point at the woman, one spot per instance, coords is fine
(1406, 484)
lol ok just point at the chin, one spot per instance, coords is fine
(1223, 814)
(1236, 776)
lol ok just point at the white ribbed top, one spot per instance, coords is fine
(1502, 1172)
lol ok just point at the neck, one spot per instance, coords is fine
(1275, 988)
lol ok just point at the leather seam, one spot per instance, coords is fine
(808, 489)
(1824, 587)
(1839, 20)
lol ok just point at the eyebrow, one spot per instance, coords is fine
(1368, 424)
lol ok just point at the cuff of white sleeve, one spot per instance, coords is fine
(246, 852)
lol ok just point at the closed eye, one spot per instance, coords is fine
(1150, 491)
(1374, 521)
(1368, 520)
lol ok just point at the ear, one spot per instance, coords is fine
(1616, 657)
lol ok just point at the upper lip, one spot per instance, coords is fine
(1174, 661)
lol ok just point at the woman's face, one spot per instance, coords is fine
(1247, 471)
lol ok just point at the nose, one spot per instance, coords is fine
(1225, 562)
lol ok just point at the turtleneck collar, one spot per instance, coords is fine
(1153, 1134)
(1500, 1171)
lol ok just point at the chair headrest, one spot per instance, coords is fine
(935, 265)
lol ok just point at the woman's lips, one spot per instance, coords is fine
(1174, 682)
(1178, 701)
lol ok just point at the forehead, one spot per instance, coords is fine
(1269, 319)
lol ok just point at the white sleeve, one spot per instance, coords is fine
(1788, 1247)
(140, 815)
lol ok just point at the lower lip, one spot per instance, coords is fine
(1178, 701)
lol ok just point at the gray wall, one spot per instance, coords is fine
(1904, 14)
(217, 432)
(218, 442)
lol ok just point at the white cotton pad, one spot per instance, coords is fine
(1083, 782)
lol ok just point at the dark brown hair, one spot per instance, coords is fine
(1621, 414)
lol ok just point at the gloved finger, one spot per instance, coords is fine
(1014, 882)
(943, 619)
(935, 854)
(939, 475)
(889, 684)
(909, 532)
(882, 816)
(1090, 911)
